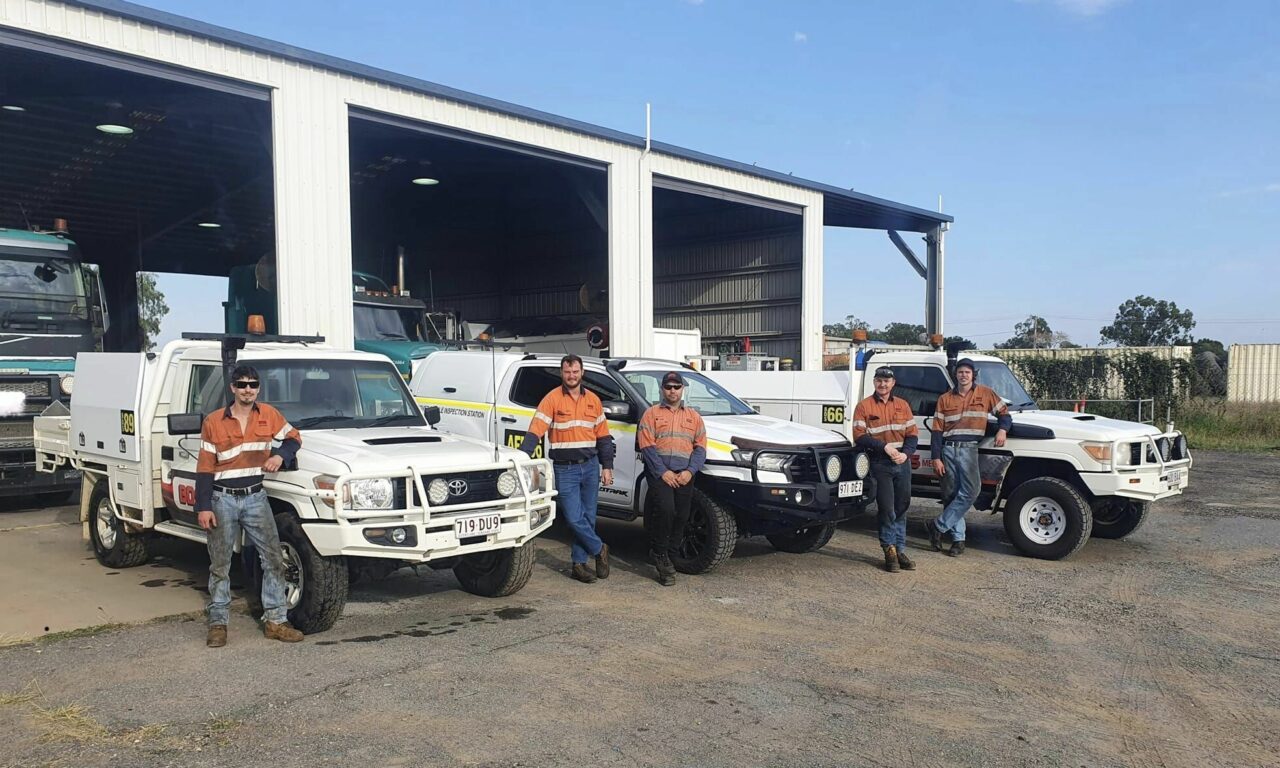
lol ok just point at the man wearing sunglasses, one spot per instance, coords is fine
(673, 443)
(235, 451)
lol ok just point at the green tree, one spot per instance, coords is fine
(1034, 333)
(845, 329)
(898, 333)
(1146, 322)
(948, 341)
(151, 309)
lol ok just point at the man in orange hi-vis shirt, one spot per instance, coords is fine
(581, 453)
(673, 444)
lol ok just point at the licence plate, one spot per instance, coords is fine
(849, 488)
(1175, 477)
(477, 525)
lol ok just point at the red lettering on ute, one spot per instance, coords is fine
(187, 495)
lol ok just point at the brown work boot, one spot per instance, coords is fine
(583, 574)
(891, 559)
(217, 636)
(907, 563)
(602, 562)
(282, 632)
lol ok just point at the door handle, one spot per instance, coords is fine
(508, 419)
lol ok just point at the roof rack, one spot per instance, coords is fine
(201, 336)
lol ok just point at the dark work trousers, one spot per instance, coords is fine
(893, 498)
(671, 515)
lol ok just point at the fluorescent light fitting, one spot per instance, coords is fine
(115, 130)
(426, 182)
(209, 224)
(13, 108)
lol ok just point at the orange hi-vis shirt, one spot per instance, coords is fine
(963, 418)
(233, 459)
(575, 427)
(672, 438)
(880, 424)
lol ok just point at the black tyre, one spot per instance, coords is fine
(498, 572)
(1115, 517)
(804, 540)
(113, 544)
(709, 537)
(316, 586)
(1047, 518)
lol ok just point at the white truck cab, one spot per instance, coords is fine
(1060, 477)
(764, 476)
(375, 485)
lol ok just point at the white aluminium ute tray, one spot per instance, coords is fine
(785, 386)
(106, 412)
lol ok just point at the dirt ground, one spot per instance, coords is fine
(1160, 650)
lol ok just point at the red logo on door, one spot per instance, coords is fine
(186, 495)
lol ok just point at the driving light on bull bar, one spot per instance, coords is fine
(67, 384)
(375, 493)
(508, 483)
(397, 535)
(861, 465)
(833, 468)
(438, 491)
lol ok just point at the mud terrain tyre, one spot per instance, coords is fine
(1115, 518)
(498, 572)
(113, 544)
(709, 536)
(1047, 518)
(316, 586)
(804, 540)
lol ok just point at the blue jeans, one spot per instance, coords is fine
(252, 514)
(893, 499)
(578, 487)
(960, 486)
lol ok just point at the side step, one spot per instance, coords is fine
(182, 531)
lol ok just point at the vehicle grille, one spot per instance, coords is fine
(16, 434)
(481, 485)
(28, 387)
(805, 470)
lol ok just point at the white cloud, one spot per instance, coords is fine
(1263, 189)
(800, 38)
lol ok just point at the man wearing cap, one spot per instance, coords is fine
(959, 423)
(884, 426)
(673, 444)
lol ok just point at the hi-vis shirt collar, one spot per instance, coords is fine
(226, 412)
(677, 407)
(888, 399)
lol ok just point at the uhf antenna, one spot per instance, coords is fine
(493, 413)
(22, 208)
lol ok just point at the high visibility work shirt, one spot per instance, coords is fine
(575, 427)
(232, 458)
(672, 438)
(963, 418)
(880, 424)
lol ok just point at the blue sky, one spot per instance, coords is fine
(1090, 150)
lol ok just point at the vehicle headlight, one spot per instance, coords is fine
(67, 384)
(532, 477)
(833, 468)
(508, 483)
(376, 493)
(767, 462)
(438, 491)
(861, 465)
(1098, 450)
(1126, 456)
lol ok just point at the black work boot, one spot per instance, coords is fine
(602, 562)
(907, 563)
(583, 574)
(891, 559)
(935, 535)
(957, 549)
(666, 570)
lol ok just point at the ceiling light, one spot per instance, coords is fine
(426, 182)
(115, 130)
(13, 108)
(209, 224)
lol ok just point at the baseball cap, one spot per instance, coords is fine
(965, 362)
(884, 372)
(672, 377)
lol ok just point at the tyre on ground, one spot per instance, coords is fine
(498, 572)
(709, 536)
(315, 586)
(1047, 518)
(114, 544)
(1116, 517)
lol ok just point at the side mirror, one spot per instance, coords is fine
(617, 410)
(432, 412)
(185, 423)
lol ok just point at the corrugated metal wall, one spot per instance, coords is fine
(1253, 373)
(728, 270)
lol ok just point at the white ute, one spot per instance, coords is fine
(789, 482)
(1061, 476)
(376, 486)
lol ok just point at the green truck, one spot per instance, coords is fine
(50, 310)
(385, 323)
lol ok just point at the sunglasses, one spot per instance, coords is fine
(673, 386)
(246, 384)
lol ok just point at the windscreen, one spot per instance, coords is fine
(700, 393)
(383, 323)
(337, 394)
(43, 286)
(998, 376)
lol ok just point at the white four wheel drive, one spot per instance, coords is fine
(376, 486)
(1060, 478)
(788, 482)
